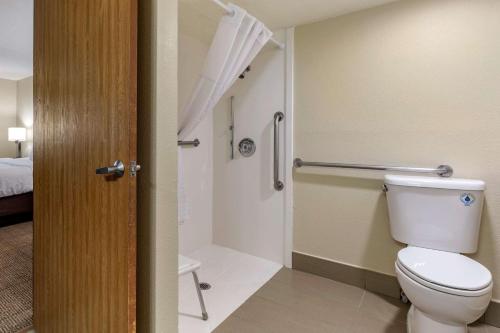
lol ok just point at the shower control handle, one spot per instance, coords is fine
(278, 184)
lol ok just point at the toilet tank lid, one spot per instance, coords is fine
(435, 182)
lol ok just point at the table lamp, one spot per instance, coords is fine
(17, 135)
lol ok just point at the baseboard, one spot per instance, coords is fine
(380, 283)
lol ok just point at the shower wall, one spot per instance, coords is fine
(248, 211)
(233, 203)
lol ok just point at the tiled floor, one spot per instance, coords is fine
(297, 302)
(234, 277)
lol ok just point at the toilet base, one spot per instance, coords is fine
(419, 322)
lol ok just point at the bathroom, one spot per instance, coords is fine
(395, 89)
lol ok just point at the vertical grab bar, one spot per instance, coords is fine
(278, 184)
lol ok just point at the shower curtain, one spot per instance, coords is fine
(238, 40)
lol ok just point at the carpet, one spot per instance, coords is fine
(16, 276)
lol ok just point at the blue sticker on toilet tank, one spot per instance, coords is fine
(467, 199)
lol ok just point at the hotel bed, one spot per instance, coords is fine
(16, 187)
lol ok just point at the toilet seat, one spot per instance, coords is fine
(447, 272)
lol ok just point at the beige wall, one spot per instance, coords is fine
(25, 111)
(7, 116)
(157, 146)
(414, 83)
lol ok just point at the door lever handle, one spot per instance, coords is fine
(118, 169)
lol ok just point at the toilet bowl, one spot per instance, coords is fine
(448, 291)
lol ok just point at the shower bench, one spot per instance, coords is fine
(186, 266)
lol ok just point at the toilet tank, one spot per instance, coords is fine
(435, 213)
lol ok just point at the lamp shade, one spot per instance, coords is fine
(17, 134)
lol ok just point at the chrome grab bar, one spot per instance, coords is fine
(194, 143)
(442, 170)
(278, 184)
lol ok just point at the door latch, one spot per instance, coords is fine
(134, 167)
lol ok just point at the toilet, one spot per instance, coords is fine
(439, 220)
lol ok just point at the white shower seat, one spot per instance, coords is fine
(186, 266)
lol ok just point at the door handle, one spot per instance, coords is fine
(118, 169)
(278, 184)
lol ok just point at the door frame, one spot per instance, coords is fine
(289, 118)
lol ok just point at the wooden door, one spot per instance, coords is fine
(85, 117)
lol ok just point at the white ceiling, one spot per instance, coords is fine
(16, 39)
(200, 17)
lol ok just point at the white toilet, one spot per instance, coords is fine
(439, 219)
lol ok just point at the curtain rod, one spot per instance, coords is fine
(229, 11)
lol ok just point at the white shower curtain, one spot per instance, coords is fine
(239, 38)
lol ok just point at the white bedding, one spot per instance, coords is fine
(16, 176)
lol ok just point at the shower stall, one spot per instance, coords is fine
(236, 217)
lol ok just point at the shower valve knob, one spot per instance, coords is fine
(247, 147)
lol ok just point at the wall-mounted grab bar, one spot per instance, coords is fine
(194, 143)
(442, 170)
(278, 184)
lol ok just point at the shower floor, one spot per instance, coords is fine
(233, 276)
